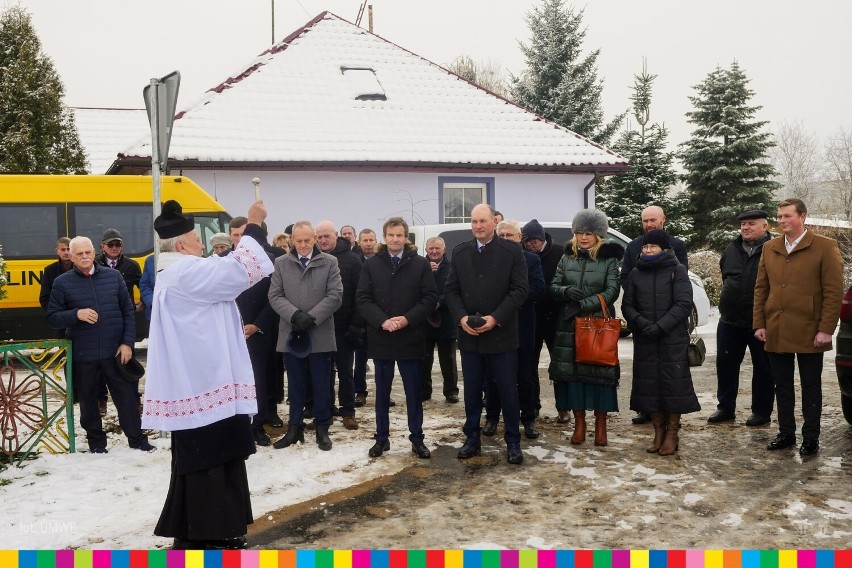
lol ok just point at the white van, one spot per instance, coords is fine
(560, 232)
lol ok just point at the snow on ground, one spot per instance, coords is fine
(113, 501)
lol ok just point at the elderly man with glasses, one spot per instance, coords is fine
(112, 248)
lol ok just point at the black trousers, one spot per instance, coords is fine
(359, 373)
(501, 368)
(88, 378)
(410, 370)
(449, 368)
(342, 368)
(731, 344)
(545, 330)
(261, 361)
(316, 368)
(527, 383)
(810, 375)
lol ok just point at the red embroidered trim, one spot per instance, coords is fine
(250, 264)
(227, 394)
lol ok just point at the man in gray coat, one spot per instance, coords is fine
(306, 290)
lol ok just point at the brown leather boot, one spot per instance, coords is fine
(658, 420)
(671, 441)
(579, 435)
(600, 428)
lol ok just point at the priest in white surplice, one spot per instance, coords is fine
(200, 384)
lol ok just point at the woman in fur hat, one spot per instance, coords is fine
(590, 266)
(657, 302)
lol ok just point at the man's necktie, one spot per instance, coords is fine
(395, 260)
(304, 261)
(112, 264)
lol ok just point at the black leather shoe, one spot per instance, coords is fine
(514, 455)
(379, 448)
(470, 448)
(392, 403)
(530, 431)
(360, 399)
(782, 441)
(721, 416)
(757, 420)
(323, 441)
(295, 434)
(261, 438)
(453, 398)
(420, 449)
(490, 428)
(809, 447)
(641, 418)
(275, 421)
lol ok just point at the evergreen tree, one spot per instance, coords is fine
(37, 130)
(558, 83)
(651, 174)
(726, 160)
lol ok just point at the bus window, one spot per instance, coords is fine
(30, 231)
(207, 224)
(133, 221)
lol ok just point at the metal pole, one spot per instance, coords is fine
(273, 21)
(155, 163)
(370, 17)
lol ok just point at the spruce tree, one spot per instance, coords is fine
(558, 83)
(726, 161)
(37, 130)
(651, 175)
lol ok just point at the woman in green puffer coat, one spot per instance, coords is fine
(589, 267)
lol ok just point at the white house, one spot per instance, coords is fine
(342, 124)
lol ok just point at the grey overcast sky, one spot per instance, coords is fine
(796, 53)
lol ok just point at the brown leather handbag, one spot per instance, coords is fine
(596, 338)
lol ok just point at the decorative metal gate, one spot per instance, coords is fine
(36, 400)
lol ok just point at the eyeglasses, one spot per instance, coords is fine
(507, 235)
(115, 244)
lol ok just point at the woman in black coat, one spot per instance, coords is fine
(657, 303)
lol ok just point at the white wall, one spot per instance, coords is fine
(367, 199)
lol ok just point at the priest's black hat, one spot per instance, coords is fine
(131, 371)
(172, 222)
(299, 344)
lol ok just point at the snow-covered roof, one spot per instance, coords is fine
(105, 131)
(333, 94)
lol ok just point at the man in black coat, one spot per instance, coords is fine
(112, 247)
(653, 219)
(442, 330)
(546, 311)
(93, 304)
(260, 328)
(527, 378)
(348, 327)
(486, 288)
(52, 272)
(735, 332)
(395, 295)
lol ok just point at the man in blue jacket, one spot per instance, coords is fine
(92, 302)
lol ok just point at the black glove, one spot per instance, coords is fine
(652, 330)
(355, 335)
(574, 293)
(303, 321)
(570, 310)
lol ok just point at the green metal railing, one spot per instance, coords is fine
(36, 399)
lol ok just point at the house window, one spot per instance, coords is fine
(459, 196)
(363, 84)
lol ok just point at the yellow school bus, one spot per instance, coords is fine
(35, 210)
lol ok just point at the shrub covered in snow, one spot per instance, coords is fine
(705, 263)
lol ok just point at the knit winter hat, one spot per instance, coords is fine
(590, 221)
(220, 239)
(657, 237)
(172, 222)
(533, 230)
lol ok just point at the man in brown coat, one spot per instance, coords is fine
(797, 301)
